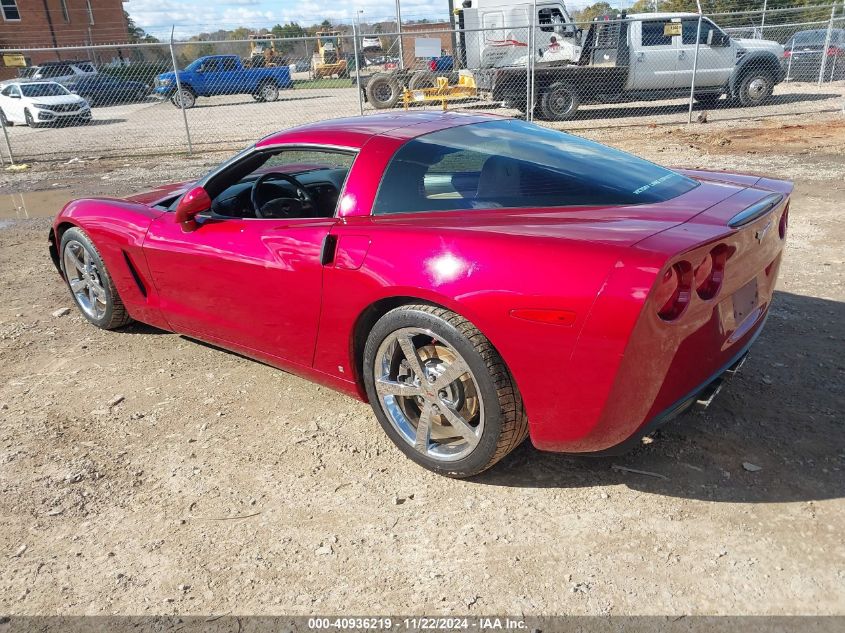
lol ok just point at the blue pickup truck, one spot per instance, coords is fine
(222, 75)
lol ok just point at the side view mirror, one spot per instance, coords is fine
(192, 203)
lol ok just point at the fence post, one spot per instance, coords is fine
(8, 144)
(694, 63)
(532, 46)
(357, 68)
(789, 64)
(179, 91)
(827, 44)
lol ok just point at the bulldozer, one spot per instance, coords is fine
(329, 59)
(263, 52)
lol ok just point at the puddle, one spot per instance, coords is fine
(33, 204)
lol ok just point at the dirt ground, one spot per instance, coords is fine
(231, 122)
(144, 473)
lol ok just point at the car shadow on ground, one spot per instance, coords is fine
(782, 413)
(282, 98)
(92, 123)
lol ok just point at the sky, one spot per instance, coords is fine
(193, 16)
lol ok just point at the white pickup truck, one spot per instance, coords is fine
(638, 57)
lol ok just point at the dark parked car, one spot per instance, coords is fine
(103, 89)
(805, 51)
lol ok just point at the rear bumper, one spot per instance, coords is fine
(699, 398)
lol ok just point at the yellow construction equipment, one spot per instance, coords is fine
(263, 53)
(329, 59)
(443, 91)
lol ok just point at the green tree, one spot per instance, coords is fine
(136, 33)
(588, 14)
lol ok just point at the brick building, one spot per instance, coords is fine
(55, 23)
(427, 30)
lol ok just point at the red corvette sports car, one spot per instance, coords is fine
(476, 279)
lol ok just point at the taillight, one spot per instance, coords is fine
(835, 51)
(710, 272)
(673, 292)
(787, 53)
(784, 222)
(432, 65)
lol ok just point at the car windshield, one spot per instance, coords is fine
(43, 90)
(195, 65)
(515, 164)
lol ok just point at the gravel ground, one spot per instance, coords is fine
(230, 122)
(144, 473)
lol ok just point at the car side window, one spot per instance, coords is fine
(7, 91)
(229, 64)
(322, 172)
(690, 27)
(653, 33)
(209, 66)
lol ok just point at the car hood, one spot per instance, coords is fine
(161, 193)
(57, 100)
(765, 45)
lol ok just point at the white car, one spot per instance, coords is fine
(370, 43)
(37, 102)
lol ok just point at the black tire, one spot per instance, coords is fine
(188, 96)
(383, 91)
(27, 116)
(268, 91)
(257, 97)
(5, 121)
(559, 102)
(755, 87)
(708, 100)
(505, 422)
(422, 79)
(115, 314)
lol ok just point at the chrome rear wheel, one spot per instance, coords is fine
(429, 394)
(440, 390)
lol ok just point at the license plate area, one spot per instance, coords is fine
(745, 301)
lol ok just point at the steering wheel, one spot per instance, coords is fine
(282, 207)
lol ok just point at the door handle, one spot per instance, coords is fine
(682, 55)
(640, 56)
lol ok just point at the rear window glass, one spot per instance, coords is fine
(517, 165)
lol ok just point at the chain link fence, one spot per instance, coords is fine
(128, 99)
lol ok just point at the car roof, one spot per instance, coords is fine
(31, 83)
(354, 132)
(661, 16)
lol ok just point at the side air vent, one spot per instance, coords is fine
(141, 287)
(755, 210)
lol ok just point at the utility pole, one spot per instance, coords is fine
(399, 30)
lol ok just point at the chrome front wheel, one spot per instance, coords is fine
(89, 281)
(83, 277)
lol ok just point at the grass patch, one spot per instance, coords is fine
(328, 82)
